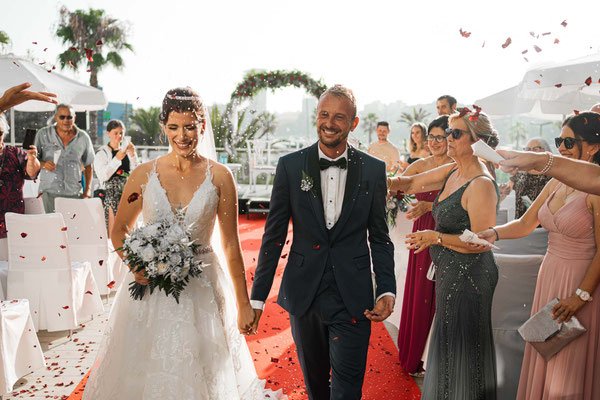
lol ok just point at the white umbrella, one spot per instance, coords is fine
(508, 102)
(562, 87)
(14, 71)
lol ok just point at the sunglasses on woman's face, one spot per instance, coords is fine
(436, 138)
(62, 117)
(568, 141)
(456, 133)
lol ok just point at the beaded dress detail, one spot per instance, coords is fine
(157, 349)
(461, 360)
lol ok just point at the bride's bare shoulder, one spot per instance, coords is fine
(220, 171)
(140, 173)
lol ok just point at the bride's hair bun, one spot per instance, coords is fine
(180, 100)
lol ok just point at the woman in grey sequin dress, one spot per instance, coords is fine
(461, 361)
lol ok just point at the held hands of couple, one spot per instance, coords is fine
(246, 320)
(383, 308)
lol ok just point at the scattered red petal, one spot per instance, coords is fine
(556, 41)
(546, 33)
(62, 246)
(464, 34)
(99, 43)
(33, 42)
(89, 70)
(507, 43)
(22, 256)
(274, 360)
(316, 247)
(14, 301)
(64, 228)
(111, 284)
(43, 258)
(88, 54)
(524, 51)
(42, 63)
(588, 81)
(45, 49)
(74, 48)
(100, 262)
(88, 292)
(284, 256)
(525, 58)
(133, 197)
(532, 34)
(483, 45)
(65, 308)
(16, 64)
(558, 85)
(23, 235)
(537, 81)
(353, 320)
(576, 112)
(564, 23)
(536, 48)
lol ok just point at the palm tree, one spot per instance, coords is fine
(88, 33)
(145, 126)
(418, 115)
(232, 138)
(4, 40)
(369, 124)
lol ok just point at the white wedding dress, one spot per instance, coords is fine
(158, 349)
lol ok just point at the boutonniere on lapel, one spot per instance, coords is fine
(307, 183)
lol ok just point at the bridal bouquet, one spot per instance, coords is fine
(166, 252)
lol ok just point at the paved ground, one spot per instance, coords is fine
(69, 360)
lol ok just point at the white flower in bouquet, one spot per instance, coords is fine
(161, 268)
(148, 254)
(151, 231)
(175, 259)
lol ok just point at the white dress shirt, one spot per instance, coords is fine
(333, 187)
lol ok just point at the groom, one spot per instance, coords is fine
(335, 196)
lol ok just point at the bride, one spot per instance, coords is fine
(155, 348)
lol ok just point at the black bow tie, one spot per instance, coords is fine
(340, 163)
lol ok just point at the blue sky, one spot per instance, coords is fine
(383, 50)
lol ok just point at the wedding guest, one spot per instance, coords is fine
(461, 359)
(570, 271)
(383, 149)
(527, 186)
(418, 142)
(113, 163)
(576, 174)
(16, 165)
(418, 306)
(446, 105)
(61, 177)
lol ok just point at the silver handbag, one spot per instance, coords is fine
(547, 335)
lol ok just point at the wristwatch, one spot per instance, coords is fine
(583, 295)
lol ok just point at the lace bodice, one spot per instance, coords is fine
(201, 211)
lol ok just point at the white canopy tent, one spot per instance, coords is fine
(15, 70)
(545, 100)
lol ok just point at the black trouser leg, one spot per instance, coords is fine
(312, 344)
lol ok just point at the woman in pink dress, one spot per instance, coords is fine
(418, 305)
(570, 271)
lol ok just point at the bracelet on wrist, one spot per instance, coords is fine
(548, 164)
(496, 232)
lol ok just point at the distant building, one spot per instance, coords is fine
(113, 111)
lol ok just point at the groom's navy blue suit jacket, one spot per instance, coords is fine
(345, 245)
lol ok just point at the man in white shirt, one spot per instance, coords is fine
(335, 196)
(383, 149)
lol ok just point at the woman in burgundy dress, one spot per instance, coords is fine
(418, 305)
(16, 165)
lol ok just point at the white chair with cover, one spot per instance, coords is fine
(60, 292)
(259, 157)
(88, 240)
(20, 350)
(34, 205)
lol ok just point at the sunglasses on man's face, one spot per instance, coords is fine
(568, 141)
(436, 138)
(455, 133)
(62, 117)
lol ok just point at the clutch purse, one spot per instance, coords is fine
(547, 335)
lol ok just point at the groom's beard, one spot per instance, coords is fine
(329, 141)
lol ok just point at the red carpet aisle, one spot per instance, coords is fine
(274, 351)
